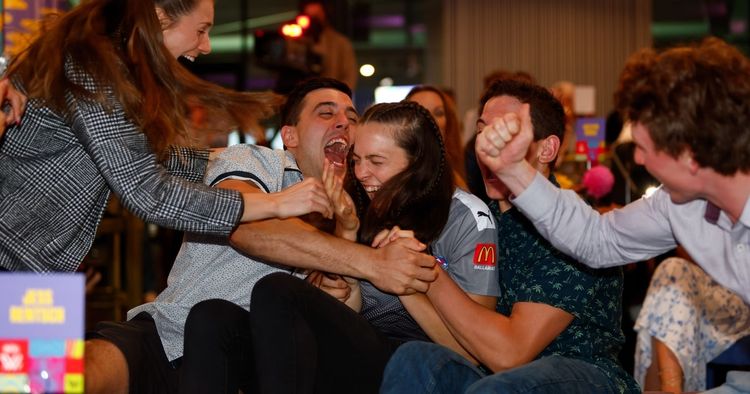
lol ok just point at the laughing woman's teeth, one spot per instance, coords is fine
(188, 57)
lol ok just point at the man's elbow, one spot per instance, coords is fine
(505, 359)
(244, 238)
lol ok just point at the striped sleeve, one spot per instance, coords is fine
(187, 163)
(123, 156)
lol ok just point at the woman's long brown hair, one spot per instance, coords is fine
(419, 197)
(119, 44)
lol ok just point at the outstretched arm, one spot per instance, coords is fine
(499, 342)
(399, 268)
(636, 232)
(421, 309)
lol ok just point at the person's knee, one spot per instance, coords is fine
(214, 311)
(674, 266)
(208, 320)
(411, 351)
(416, 355)
(427, 367)
(272, 289)
(106, 368)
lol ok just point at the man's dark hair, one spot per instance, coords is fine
(291, 109)
(547, 114)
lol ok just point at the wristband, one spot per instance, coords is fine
(442, 262)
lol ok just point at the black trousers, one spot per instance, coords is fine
(217, 356)
(306, 341)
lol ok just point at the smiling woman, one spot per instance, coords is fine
(101, 117)
(187, 36)
(399, 153)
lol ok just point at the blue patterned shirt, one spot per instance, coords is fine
(532, 270)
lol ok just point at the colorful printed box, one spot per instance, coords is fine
(41, 333)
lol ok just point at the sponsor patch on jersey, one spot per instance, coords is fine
(481, 213)
(485, 257)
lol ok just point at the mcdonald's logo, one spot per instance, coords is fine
(485, 255)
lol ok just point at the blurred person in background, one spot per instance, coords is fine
(443, 109)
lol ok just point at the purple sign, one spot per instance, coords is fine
(41, 306)
(590, 134)
(21, 21)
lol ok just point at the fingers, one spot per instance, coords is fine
(338, 191)
(17, 102)
(333, 184)
(349, 203)
(402, 268)
(483, 147)
(393, 234)
(503, 144)
(425, 274)
(341, 202)
(385, 237)
(426, 271)
(303, 198)
(412, 244)
(327, 175)
(400, 234)
(498, 133)
(17, 106)
(388, 237)
(378, 239)
(336, 286)
(339, 294)
(419, 286)
(317, 199)
(314, 278)
(333, 281)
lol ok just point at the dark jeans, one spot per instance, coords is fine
(306, 341)
(218, 356)
(422, 368)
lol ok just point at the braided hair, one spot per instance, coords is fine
(419, 197)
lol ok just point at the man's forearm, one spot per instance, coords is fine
(296, 243)
(398, 268)
(422, 310)
(518, 177)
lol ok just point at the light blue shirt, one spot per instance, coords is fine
(641, 230)
(207, 266)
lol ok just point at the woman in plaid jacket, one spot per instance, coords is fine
(106, 102)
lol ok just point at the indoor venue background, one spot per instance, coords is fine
(449, 43)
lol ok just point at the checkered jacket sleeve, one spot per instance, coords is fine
(123, 157)
(57, 170)
(187, 163)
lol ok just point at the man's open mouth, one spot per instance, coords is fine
(336, 150)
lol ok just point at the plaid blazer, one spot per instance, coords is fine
(58, 169)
